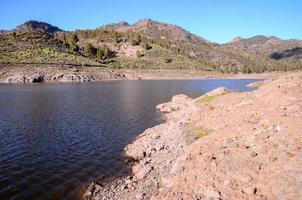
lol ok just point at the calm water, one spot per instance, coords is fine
(56, 137)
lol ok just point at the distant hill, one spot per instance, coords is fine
(146, 44)
(34, 25)
(263, 44)
(287, 52)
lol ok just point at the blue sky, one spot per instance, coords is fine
(215, 20)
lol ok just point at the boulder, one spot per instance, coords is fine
(167, 107)
(180, 99)
(24, 78)
(70, 77)
(35, 78)
(218, 91)
(19, 78)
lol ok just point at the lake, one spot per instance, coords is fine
(54, 138)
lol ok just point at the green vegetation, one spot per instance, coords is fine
(201, 132)
(205, 99)
(191, 134)
(104, 52)
(155, 48)
(90, 50)
(42, 56)
(146, 46)
(38, 47)
(138, 54)
(73, 42)
(135, 39)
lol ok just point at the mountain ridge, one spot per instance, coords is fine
(32, 23)
(152, 44)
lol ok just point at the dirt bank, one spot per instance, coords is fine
(222, 145)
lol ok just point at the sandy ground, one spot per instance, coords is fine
(222, 145)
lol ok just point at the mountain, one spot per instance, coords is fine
(146, 44)
(271, 48)
(33, 25)
(157, 30)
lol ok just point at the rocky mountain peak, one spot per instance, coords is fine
(236, 39)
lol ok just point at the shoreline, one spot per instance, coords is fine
(192, 154)
(21, 75)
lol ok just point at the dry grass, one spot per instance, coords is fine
(193, 134)
(205, 99)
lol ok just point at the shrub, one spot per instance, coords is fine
(90, 50)
(168, 60)
(135, 39)
(201, 132)
(73, 42)
(139, 54)
(146, 46)
(104, 52)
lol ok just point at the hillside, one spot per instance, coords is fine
(146, 44)
(36, 47)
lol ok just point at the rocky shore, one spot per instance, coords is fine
(72, 74)
(42, 74)
(222, 145)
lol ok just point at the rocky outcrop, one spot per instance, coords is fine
(70, 77)
(15, 79)
(246, 146)
(253, 151)
(218, 91)
(26, 78)
(177, 102)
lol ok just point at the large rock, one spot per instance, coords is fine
(167, 107)
(218, 91)
(180, 99)
(35, 78)
(70, 77)
(25, 78)
(16, 79)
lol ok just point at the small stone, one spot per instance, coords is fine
(247, 190)
(278, 128)
(143, 172)
(128, 181)
(226, 182)
(212, 194)
(254, 154)
(140, 196)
